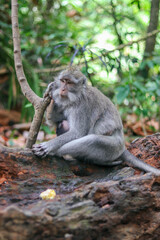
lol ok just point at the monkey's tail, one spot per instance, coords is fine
(136, 162)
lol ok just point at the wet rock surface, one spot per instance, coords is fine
(92, 202)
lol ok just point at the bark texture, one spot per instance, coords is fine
(125, 209)
(39, 104)
(92, 202)
(153, 24)
(151, 41)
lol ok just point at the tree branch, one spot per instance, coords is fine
(30, 95)
(39, 104)
(150, 42)
(115, 21)
(153, 24)
(120, 47)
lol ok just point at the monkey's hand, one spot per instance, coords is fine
(41, 150)
(49, 90)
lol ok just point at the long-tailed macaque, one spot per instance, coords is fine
(89, 126)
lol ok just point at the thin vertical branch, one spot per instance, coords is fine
(39, 104)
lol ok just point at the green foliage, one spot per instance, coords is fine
(122, 93)
(139, 95)
(13, 96)
(46, 129)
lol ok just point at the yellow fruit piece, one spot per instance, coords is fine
(48, 194)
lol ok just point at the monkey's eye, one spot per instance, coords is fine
(62, 80)
(69, 82)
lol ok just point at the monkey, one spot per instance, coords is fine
(88, 124)
(61, 126)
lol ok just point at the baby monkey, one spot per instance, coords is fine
(88, 124)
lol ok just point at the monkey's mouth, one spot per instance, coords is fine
(63, 95)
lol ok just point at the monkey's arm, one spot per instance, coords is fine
(136, 162)
(50, 113)
(50, 109)
(77, 130)
(53, 145)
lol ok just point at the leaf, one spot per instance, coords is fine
(28, 105)
(143, 64)
(122, 93)
(139, 86)
(158, 92)
(156, 60)
(150, 64)
(152, 86)
(46, 129)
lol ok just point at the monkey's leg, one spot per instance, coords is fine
(98, 149)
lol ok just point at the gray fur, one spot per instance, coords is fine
(95, 131)
(129, 158)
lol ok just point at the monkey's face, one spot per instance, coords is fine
(66, 86)
(66, 91)
(69, 87)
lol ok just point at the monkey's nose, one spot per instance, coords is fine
(63, 92)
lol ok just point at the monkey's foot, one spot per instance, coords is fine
(40, 150)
